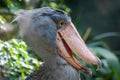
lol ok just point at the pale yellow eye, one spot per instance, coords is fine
(61, 23)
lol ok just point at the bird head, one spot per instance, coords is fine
(51, 32)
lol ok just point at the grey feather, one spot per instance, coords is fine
(38, 29)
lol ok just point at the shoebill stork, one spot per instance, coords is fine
(52, 36)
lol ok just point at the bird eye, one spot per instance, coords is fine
(61, 23)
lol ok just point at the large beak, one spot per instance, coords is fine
(68, 41)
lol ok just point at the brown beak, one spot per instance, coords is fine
(68, 41)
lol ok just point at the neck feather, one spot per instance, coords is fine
(60, 70)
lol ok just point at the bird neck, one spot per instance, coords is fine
(59, 69)
(53, 61)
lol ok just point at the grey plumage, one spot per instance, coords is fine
(61, 71)
(38, 29)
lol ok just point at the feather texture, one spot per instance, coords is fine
(61, 71)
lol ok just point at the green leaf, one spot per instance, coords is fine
(2, 20)
(105, 35)
(23, 75)
(14, 42)
(111, 59)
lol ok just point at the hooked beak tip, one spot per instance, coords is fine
(68, 40)
(99, 64)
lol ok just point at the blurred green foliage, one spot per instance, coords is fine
(17, 60)
(110, 69)
(110, 63)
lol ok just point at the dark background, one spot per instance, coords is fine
(101, 15)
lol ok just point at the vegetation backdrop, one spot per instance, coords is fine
(96, 21)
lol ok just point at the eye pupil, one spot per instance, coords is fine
(61, 23)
